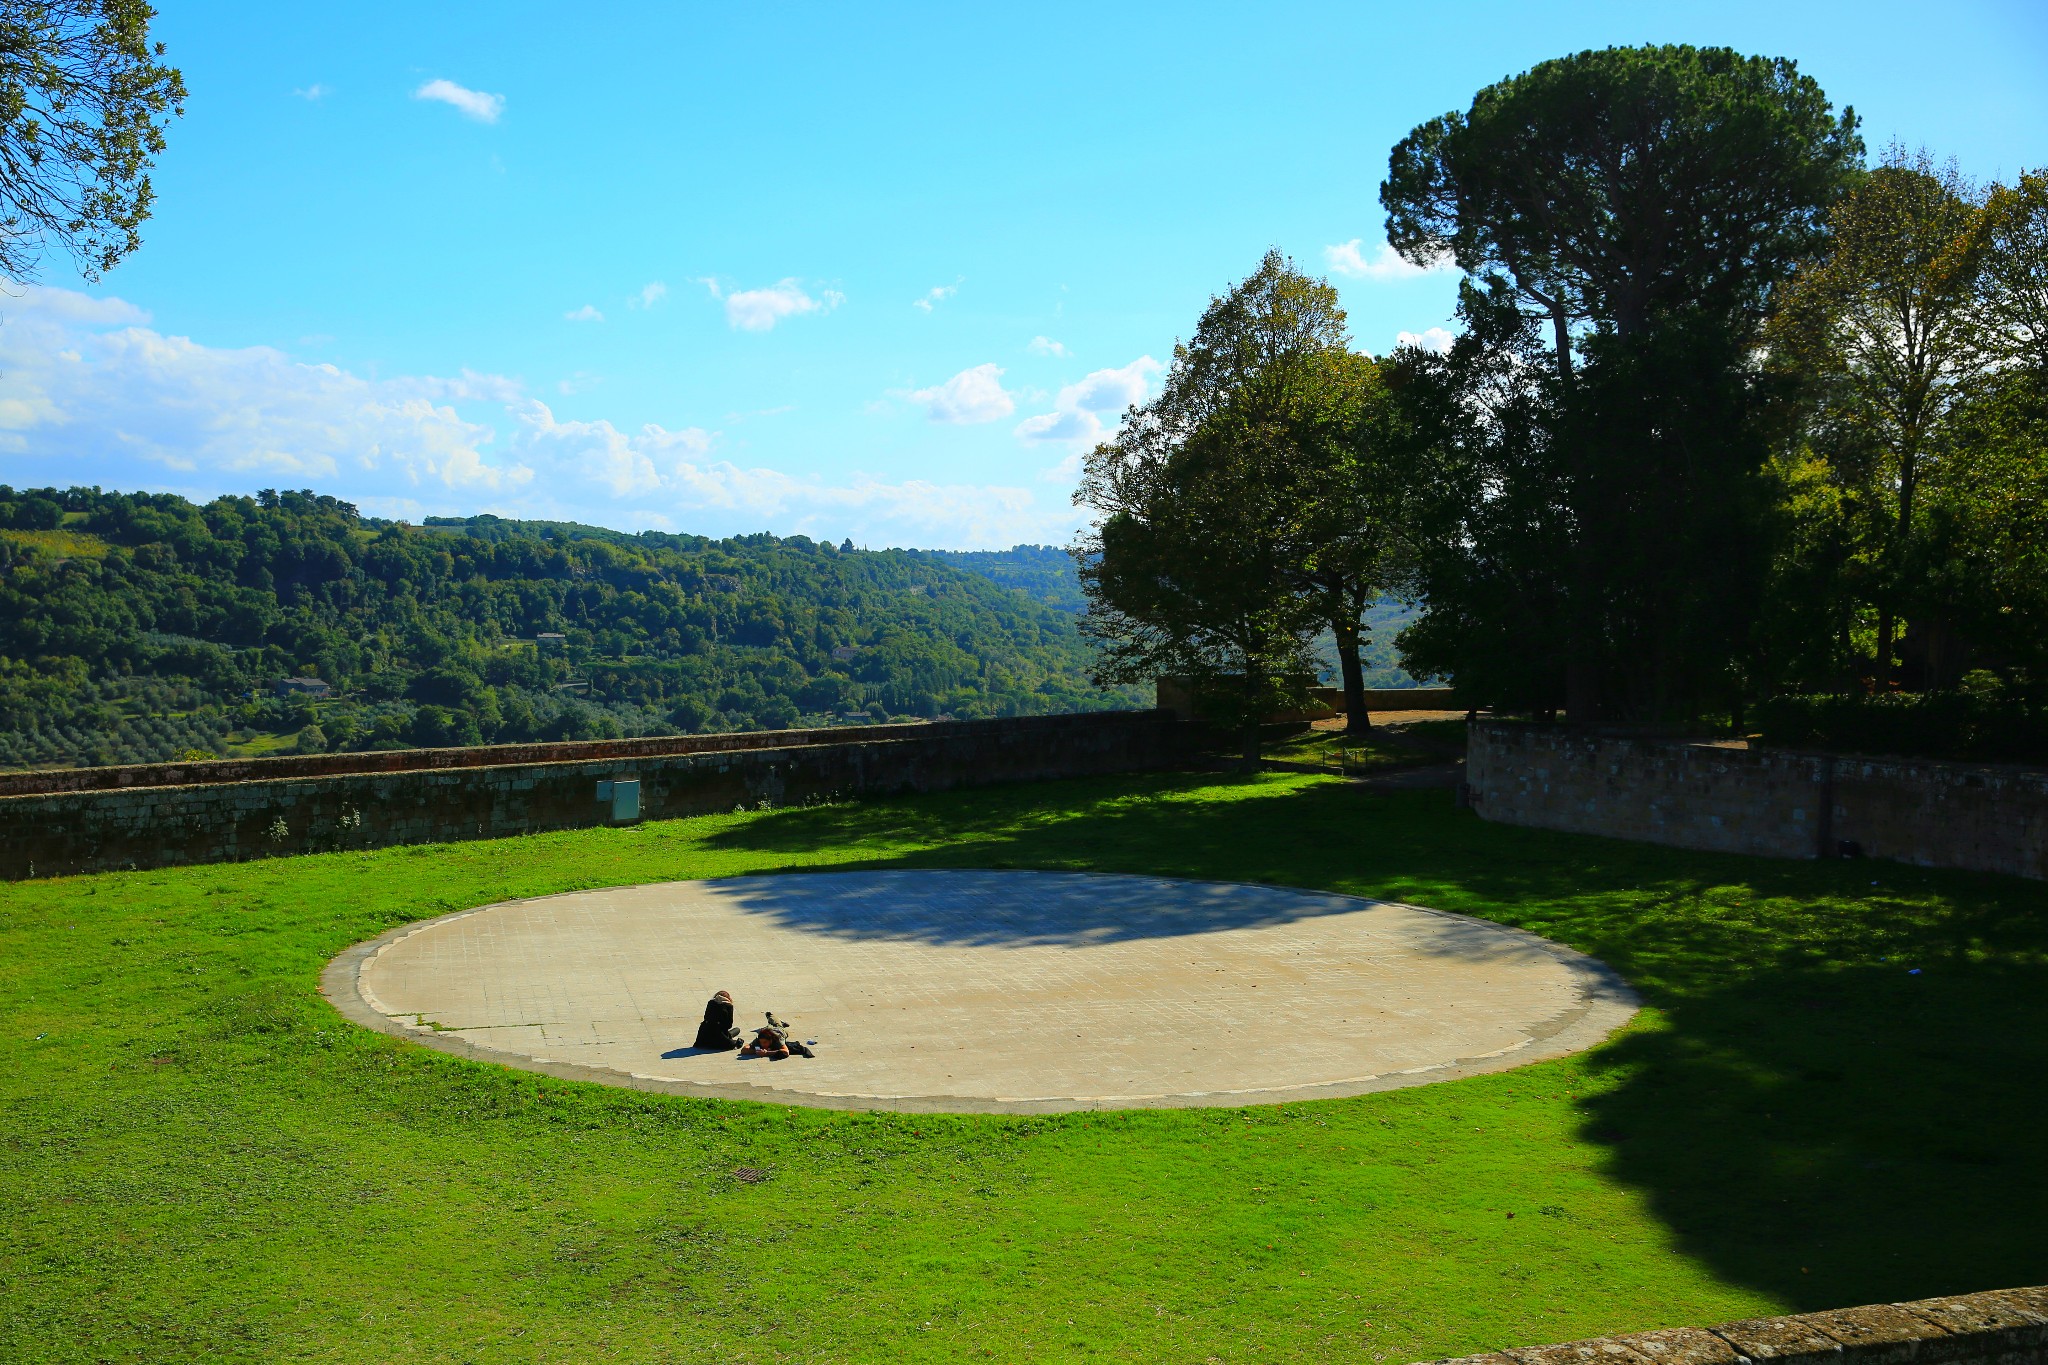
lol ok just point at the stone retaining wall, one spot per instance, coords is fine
(2002, 1327)
(414, 760)
(1774, 803)
(478, 794)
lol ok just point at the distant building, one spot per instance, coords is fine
(549, 639)
(303, 687)
(845, 652)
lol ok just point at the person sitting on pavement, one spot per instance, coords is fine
(716, 1033)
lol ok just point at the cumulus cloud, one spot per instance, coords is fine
(90, 392)
(311, 92)
(1046, 346)
(651, 293)
(1349, 259)
(934, 296)
(586, 313)
(1076, 417)
(472, 103)
(83, 382)
(971, 396)
(757, 310)
(1436, 339)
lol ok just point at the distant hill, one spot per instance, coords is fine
(1044, 573)
(142, 627)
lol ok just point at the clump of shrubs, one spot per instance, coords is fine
(1980, 720)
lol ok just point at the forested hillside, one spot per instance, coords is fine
(141, 627)
(1044, 573)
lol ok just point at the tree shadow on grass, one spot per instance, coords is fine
(1855, 1135)
(1015, 908)
(1806, 1115)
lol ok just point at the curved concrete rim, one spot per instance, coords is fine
(1604, 1002)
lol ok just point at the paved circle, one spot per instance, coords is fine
(986, 990)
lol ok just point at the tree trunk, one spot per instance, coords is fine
(1582, 700)
(1882, 665)
(1887, 623)
(1583, 703)
(1561, 327)
(1357, 720)
(1251, 748)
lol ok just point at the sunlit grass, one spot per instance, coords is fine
(201, 1161)
(57, 544)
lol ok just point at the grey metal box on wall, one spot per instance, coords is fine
(626, 800)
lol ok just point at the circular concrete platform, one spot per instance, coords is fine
(984, 991)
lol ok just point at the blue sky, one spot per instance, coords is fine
(878, 271)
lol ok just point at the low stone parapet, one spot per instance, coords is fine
(2000, 1327)
(523, 789)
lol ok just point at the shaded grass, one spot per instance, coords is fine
(199, 1160)
(1334, 746)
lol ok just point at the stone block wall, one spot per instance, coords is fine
(418, 760)
(1761, 801)
(2001, 1327)
(60, 832)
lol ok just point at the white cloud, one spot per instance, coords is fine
(473, 103)
(1077, 413)
(933, 296)
(971, 396)
(1349, 259)
(587, 313)
(651, 293)
(1046, 346)
(83, 384)
(757, 310)
(312, 92)
(90, 393)
(1436, 339)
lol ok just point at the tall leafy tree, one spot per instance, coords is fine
(1638, 208)
(1261, 478)
(1182, 580)
(2015, 274)
(1346, 471)
(1888, 325)
(84, 100)
(1492, 522)
(1981, 561)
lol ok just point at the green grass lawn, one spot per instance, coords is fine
(201, 1161)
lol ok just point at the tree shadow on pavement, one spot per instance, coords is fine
(1838, 1097)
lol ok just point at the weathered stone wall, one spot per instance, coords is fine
(2002, 1327)
(1761, 801)
(60, 832)
(412, 760)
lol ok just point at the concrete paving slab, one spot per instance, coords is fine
(986, 991)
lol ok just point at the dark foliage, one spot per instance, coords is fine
(1968, 725)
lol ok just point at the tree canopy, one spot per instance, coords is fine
(1615, 186)
(1250, 505)
(1626, 218)
(84, 100)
